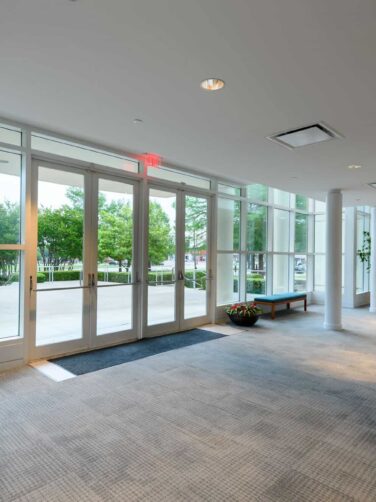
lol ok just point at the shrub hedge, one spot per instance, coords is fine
(255, 282)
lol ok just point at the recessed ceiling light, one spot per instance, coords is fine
(354, 166)
(137, 121)
(212, 84)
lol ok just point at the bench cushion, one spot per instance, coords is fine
(280, 297)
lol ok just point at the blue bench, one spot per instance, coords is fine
(282, 298)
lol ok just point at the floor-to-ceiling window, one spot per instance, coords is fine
(11, 236)
(94, 197)
(363, 221)
(228, 246)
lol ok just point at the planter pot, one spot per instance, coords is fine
(243, 321)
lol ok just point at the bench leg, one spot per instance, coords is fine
(273, 311)
(305, 305)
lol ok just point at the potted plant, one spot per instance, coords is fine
(244, 314)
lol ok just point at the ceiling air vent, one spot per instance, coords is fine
(307, 135)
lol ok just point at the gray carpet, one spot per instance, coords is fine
(284, 412)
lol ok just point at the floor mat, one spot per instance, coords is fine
(95, 360)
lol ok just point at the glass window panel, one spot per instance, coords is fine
(172, 175)
(300, 273)
(161, 257)
(320, 207)
(61, 199)
(256, 274)
(228, 224)
(320, 225)
(196, 256)
(362, 234)
(301, 232)
(10, 198)
(9, 294)
(59, 315)
(257, 219)
(10, 136)
(301, 202)
(82, 152)
(319, 276)
(256, 191)
(115, 255)
(280, 273)
(228, 278)
(281, 231)
(231, 190)
(281, 198)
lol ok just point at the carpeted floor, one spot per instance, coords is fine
(283, 412)
(95, 360)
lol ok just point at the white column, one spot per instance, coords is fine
(372, 305)
(333, 269)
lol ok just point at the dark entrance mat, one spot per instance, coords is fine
(95, 360)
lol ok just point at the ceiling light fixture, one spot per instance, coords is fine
(212, 84)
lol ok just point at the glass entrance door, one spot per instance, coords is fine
(162, 261)
(115, 282)
(196, 260)
(177, 261)
(60, 287)
(84, 285)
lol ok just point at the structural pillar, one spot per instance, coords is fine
(372, 300)
(333, 269)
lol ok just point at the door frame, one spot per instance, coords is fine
(132, 334)
(89, 340)
(179, 324)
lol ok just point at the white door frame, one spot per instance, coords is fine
(89, 339)
(132, 333)
(179, 323)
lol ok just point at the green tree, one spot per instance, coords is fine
(9, 223)
(196, 221)
(76, 196)
(60, 233)
(301, 232)
(9, 234)
(161, 240)
(115, 232)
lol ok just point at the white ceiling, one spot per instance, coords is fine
(88, 68)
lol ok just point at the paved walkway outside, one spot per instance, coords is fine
(59, 313)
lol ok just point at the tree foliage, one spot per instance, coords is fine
(161, 240)
(196, 220)
(115, 232)
(365, 252)
(9, 234)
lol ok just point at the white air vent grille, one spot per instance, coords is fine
(303, 136)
